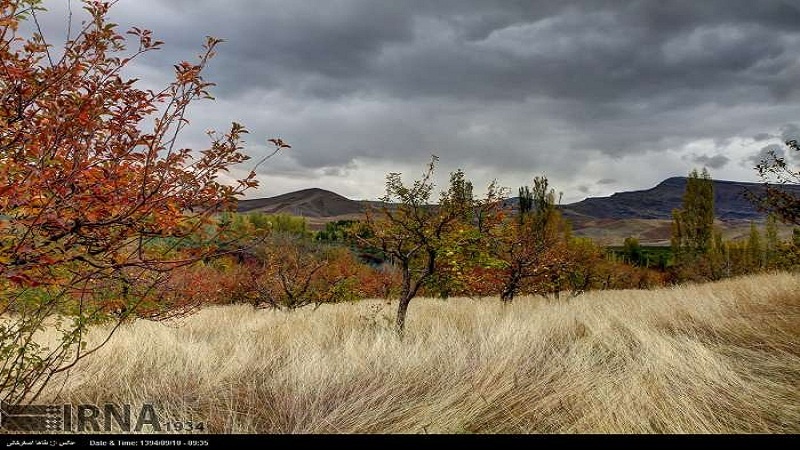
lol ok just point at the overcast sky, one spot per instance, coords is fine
(599, 95)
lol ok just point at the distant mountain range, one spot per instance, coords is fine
(730, 202)
(644, 213)
(655, 203)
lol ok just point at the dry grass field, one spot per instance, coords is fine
(721, 357)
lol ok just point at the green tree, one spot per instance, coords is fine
(525, 201)
(755, 248)
(632, 251)
(460, 249)
(772, 241)
(412, 232)
(693, 225)
(719, 257)
(336, 231)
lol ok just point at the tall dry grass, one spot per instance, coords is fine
(722, 357)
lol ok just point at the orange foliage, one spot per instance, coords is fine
(282, 273)
(92, 175)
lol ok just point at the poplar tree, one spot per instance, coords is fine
(693, 225)
(773, 242)
(755, 249)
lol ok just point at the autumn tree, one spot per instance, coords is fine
(97, 193)
(693, 224)
(455, 255)
(526, 244)
(293, 272)
(465, 252)
(412, 232)
(776, 172)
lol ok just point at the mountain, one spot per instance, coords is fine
(645, 214)
(658, 202)
(311, 203)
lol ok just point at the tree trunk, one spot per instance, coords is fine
(507, 295)
(402, 310)
(405, 298)
(510, 288)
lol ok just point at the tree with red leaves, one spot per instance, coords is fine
(96, 197)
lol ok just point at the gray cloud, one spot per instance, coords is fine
(762, 137)
(503, 88)
(712, 162)
(766, 154)
(607, 181)
(790, 131)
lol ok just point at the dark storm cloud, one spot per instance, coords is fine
(600, 52)
(515, 87)
(713, 162)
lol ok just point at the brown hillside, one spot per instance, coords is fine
(310, 203)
